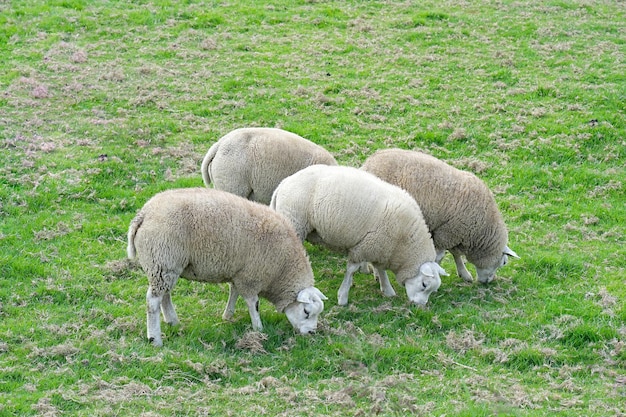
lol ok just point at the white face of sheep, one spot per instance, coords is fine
(486, 275)
(304, 312)
(418, 289)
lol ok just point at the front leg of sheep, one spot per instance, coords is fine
(383, 280)
(253, 308)
(229, 311)
(460, 265)
(344, 289)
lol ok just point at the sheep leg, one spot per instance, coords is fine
(229, 311)
(366, 268)
(440, 255)
(154, 318)
(253, 308)
(460, 266)
(168, 310)
(344, 289)
(385, 285)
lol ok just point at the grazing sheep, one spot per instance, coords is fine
(350, 210)
(250, 162)
(213, 236)
(459, 209)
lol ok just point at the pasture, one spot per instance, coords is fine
(105, 103)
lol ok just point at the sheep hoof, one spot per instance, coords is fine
(155, 343)
(467, 278)
(391, 293)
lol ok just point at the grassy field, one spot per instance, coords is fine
(105, 103)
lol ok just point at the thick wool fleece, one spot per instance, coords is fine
(251, 162)
(458, 207)
(353, 211)
(213, 236)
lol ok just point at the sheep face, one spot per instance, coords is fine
(304, 312)
(418, 289)
(487, 274)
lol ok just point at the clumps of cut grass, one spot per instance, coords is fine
(65, 350)
(121, 268)
(464, 342)
(605, 300)
(475, 165)
(458, 134)
(252, 341)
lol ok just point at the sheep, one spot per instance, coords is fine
(458, 207)
(213, 236)
(250, 162)
(352, 211)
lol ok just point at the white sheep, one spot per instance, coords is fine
(250, 162)
(458, 207)
(214, 236)
(352, 211)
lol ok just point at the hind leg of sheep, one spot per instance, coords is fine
(344, 289)
(168, 310)
(253, 308)
(460, 266)
(385, 285)
(229, 311)
(154, 318)
(366, 268)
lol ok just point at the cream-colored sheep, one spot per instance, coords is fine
(213, 236)
(250, 162)
(459, 209)
(350, 210)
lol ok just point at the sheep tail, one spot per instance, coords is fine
(132, 231)
(206, 162)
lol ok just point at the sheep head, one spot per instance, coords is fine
(427, 281)
(304, 312)
(487, 274)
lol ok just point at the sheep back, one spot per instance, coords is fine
(251, 162)
(214, 236)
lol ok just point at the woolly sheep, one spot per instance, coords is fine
(213, 236)
(458, 208)
(250, 162)
(352, 211)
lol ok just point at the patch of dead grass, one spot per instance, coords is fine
(465, 341)
(252, 341)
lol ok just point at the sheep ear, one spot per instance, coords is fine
(441, 270)
(320, 294)
(508, 251)
(430, 269)
(427, 269)
(307, 295)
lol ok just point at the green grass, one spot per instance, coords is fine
(104, 104)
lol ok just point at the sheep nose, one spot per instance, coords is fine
(311, 331)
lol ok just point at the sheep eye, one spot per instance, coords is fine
(306, 313)
(424, 285)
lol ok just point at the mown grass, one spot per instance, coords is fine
(104, 104)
